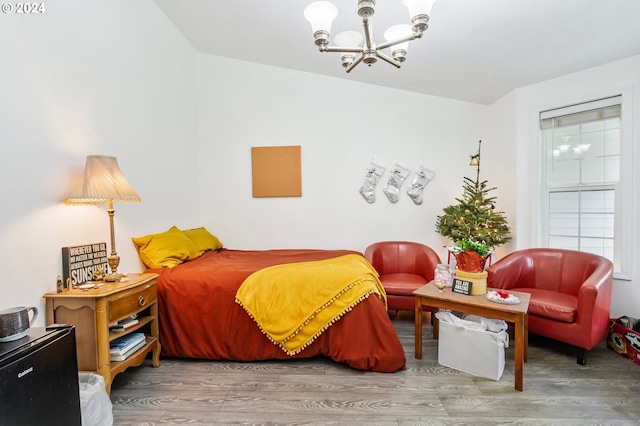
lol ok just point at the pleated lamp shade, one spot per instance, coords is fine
(103, 182)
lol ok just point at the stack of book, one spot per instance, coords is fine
(125, 346)
(124, 324)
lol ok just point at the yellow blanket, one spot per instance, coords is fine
(294, 303)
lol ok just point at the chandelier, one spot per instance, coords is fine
(321, 13)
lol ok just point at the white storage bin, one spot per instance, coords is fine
(474, 345)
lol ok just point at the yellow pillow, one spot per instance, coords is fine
(166, 249)
(203, 239)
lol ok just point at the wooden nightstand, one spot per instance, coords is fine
(91, 311)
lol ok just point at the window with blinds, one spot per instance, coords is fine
(582, 173)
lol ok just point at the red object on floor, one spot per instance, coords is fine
(624, 341)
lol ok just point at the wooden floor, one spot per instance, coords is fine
(557, 391)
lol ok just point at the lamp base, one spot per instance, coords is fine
(114, 261)
(113, 277)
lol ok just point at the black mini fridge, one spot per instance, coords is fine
(39, 379)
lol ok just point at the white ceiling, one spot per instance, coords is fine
(473, 50)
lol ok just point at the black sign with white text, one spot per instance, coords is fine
(461, 286)
(80, 262)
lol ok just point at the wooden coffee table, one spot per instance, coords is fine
(429, 295)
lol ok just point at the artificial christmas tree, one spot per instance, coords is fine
(473, 225)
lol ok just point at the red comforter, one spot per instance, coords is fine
(200, 319)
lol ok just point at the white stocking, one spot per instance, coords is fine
(371, 178)
(398, 175)
(420, 180)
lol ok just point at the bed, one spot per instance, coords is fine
(200, 316)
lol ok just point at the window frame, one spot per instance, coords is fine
(623, 221)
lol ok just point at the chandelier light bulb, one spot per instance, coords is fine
(348, 39)
(419, 12)
(398, 51)
(366, 8)
(320, 15)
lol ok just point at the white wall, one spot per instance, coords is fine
(499, 163)
(340, 126)
(108, 77)
(582, 86)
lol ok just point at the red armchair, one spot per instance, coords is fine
(403, 267)
(570, 293)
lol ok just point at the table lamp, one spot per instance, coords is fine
(103, 182)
